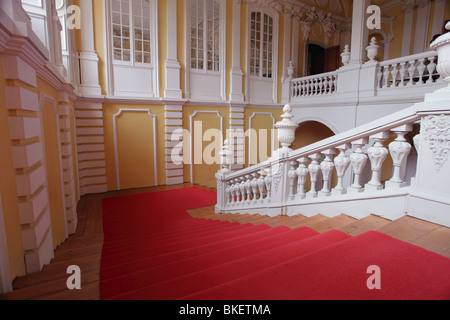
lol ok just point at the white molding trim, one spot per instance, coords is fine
(116, 149)
(250, 135)
(42, 99)
(191, 142)
(5, 272)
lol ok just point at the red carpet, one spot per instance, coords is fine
(154, 250)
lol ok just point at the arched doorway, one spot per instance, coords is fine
(321, 59)
(309, 132)
(316, 59)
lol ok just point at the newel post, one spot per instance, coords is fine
(280, 166)
(429, 198)
(226, 160)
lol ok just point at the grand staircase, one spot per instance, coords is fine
(254, 257)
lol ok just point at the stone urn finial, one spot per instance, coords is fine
(372, 49)
(346, 55)
(286, 129)
(226, 156)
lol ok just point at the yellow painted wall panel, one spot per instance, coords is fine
(53, 168)
(203, 172)
(136, 150)
(136, 125)
(263, 139)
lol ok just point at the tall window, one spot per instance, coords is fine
(205, 35)
(261, 44)
(131, 31)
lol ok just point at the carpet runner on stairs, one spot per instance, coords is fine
(154, 250)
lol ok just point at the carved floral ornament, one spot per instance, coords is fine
(306, 14)
(437, 132)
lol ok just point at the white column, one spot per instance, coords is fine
(236, 94)
(360, 32)
(88, 57)
(408, 10)
(287, 42)
(173, 88)
(438, 17)
(295, 37)
(421, 30)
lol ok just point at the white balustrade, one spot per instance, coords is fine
(419, 69)
(413, 182)
(317, 85)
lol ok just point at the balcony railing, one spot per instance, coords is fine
(349, 173)
(400, 78)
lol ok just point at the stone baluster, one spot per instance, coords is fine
(268, 183)
(314, 170)
(377, 154)
(341, 163)
(411, 70)
(302, 173)
(399, 150)
(386, 77)
(228, 194)
(254, 184)
(402, 73)
(358, 160)
(431, 67)
(261, 185)
(421, 68)
(292, 175)
(248, 188)
(242, 188)
(326, 85)
(237, 190)
(394, 73)
(233, 193)
(380, 77)
(327, 167)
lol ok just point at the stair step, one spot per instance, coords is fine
(203, 278)
(257, 233)
(334, 223)
(210, 259)
(365, 224)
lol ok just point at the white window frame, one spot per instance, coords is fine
(132, 61)
(222, 47)
(275, 16)
(153, 66)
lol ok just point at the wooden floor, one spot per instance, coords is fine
(84, 248)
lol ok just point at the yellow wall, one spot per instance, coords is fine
(8, 190)
(135, 145)
(53, 169)
(203, 174)
(262, 124)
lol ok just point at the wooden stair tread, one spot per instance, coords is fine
(363, 225)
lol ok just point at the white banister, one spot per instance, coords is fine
(418, 184)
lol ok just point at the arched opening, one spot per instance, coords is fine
(309, 132)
